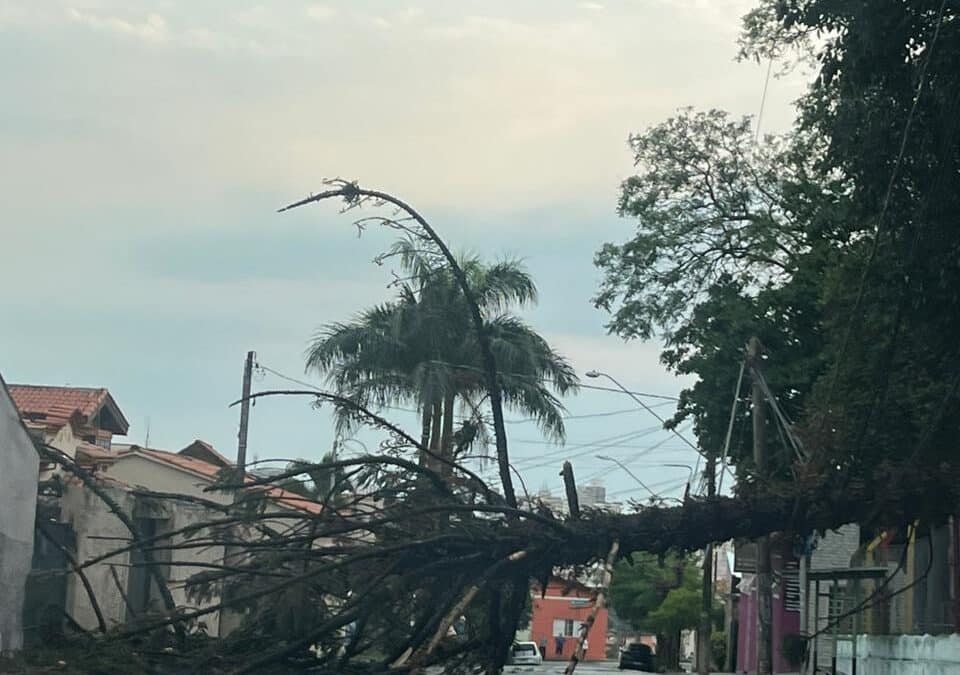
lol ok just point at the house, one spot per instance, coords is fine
(791, 603)
(81, 524)
(559, 611)
(785, 606)
(74, 420)
(18, 491)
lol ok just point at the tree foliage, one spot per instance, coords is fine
(657, 596)
(856, 323)
(421, 348)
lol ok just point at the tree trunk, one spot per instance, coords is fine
(426, 423)
(449, 403)
(437, 425)
(668, 650)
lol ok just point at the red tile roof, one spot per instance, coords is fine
(205, 452)
(55, 407)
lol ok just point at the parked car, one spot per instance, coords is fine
(636, 656)
(525, 654)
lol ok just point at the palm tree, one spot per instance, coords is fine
(421, 349)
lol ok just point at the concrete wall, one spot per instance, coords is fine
(901, 655)
(19, 465)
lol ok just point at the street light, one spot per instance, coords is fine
(632, 475)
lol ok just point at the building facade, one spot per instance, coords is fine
(558, 615)
(19, 464)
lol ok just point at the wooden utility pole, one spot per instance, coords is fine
(229, 617)
(244, 415)
(764, 572)
(704, 648)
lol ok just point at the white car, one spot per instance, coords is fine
(525, 654)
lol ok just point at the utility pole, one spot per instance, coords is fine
(704, 648)
(764, 572)
(244, 416)
(229, 617)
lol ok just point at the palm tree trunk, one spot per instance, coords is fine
(446, 449)
(436, 417)
(427, 422)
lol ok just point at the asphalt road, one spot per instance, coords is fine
(556, 668)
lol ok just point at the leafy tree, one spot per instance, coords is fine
(421, 349)
(662, 597)
(731, 238)
(887, 101)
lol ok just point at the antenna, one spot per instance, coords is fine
(146, 440)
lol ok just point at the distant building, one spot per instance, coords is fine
(558, 614)
(591, 496)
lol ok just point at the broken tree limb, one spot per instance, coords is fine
(75, 565)
(570, 485)
(354, 195)
(599, 602)
(91, 483)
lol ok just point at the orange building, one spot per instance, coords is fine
(559, 613)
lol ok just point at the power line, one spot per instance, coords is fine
(670, 483)
(667, 399)
(763, 101)
(628, 460)
(610, 441)
(611, 413)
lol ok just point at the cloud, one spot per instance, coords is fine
(153, 29)
(321, 12)
(635, 364)
(592, 6)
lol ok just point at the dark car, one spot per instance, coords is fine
(636, 656)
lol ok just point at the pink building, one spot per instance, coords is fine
(786, 607)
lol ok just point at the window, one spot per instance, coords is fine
(567, 627)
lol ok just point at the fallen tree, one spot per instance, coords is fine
(401, 550)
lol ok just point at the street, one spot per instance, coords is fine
(557, 667)
(586, 668)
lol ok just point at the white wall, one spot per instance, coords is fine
(156, 476)
(19, 465)
(901, 655)
(98, 532)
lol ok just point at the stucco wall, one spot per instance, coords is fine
(98, 531)
(18, 502)
(901, 655)
(136, 470)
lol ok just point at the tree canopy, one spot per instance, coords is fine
(836, 243)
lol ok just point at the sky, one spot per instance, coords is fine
(145, 147)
